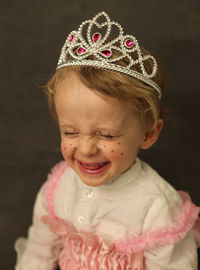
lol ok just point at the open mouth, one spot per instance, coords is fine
(93, 168)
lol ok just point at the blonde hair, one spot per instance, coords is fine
(144, 98)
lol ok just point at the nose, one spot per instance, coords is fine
(87, 146)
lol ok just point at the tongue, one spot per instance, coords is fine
(93, 167)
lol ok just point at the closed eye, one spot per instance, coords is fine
(108, 136)
(70, 133)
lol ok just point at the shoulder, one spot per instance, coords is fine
(44, 199)
(52, 184)
(55, 175)
(58, 169)
(163, 204)
(167, 218)
(157, 189)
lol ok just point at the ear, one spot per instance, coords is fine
(152, 136)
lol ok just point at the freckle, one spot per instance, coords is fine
(65, 148)
(70, 144)
(112, 151)
(121, 154)
(119, 143)
(104, 146)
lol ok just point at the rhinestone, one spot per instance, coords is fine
(80, 50)
(129, 43)
(96, 37)
(106, 53)
(71, 37)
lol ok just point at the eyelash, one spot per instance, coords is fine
(108, 136)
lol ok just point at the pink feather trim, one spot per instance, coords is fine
(196, 229)
(52, 183)
(168, 235)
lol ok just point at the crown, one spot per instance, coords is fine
(94, 38)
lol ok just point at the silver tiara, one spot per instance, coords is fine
(93, 38)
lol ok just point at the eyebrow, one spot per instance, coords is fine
(64, 124)
(101, 129)
(108, 130)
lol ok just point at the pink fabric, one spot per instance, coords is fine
(196, 229)
(187, 220)
(86, 251)
(53, 180)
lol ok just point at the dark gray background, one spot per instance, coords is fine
(31, 34)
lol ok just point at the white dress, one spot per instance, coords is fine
(135, 221)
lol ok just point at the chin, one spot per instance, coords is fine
(92, 184)
(92, 180)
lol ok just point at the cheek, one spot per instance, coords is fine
(114, 151)
(67, 148)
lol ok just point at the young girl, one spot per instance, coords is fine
(103, 208)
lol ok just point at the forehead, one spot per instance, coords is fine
(71, 86)
(75, 100)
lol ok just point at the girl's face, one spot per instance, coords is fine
(100, 135)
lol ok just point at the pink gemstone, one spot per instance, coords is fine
(71, 37)
(129, 43)
(107, 53)
(81, 50)
(96, 37)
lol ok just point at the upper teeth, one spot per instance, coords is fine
(95, 164)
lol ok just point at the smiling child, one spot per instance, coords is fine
(102, 207)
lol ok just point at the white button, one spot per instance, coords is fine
(81, 219)
(90, 194)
